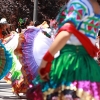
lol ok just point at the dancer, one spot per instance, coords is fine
(32, 46)
(10, 41)
(34, 39)
(14, 77)
(74, 74)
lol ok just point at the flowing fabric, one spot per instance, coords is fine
(74, 72)
(80, 76)
(30, 66)
(33, 49)
(5, 61)
(14, 77)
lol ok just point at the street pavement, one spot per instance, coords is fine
(6, 92)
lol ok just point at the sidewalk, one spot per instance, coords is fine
(6, 92)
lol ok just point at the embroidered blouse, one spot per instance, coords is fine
(81, 14)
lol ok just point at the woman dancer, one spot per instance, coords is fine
(74, 74)
(10, 41)
(14, 77)
(35, 42)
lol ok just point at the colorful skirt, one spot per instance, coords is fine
(30, 66)
(33, 49)
(15, 71)
(14, 76)
(74, 73)
(5, 61)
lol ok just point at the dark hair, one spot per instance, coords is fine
(36, 23)
(26, 22)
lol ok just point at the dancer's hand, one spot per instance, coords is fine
(42, 71)
(45, 66)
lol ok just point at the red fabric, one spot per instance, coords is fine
(90, 48)
(48, 57)
(34, 93)
(45, 70)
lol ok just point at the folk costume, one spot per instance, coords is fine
(74, 72)
(33, 49)
(14, 77)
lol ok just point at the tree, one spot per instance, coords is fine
(12, 10)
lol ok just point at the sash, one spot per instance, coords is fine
(90, 48)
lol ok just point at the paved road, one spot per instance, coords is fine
(6, 92)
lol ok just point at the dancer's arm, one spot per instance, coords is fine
(57, 45)
(59, 42)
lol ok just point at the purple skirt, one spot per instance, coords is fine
(30, 65)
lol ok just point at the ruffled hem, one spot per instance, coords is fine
(30, 65)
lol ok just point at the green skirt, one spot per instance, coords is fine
(74, 63)
(73, 69)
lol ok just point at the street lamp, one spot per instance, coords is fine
(35, 10)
